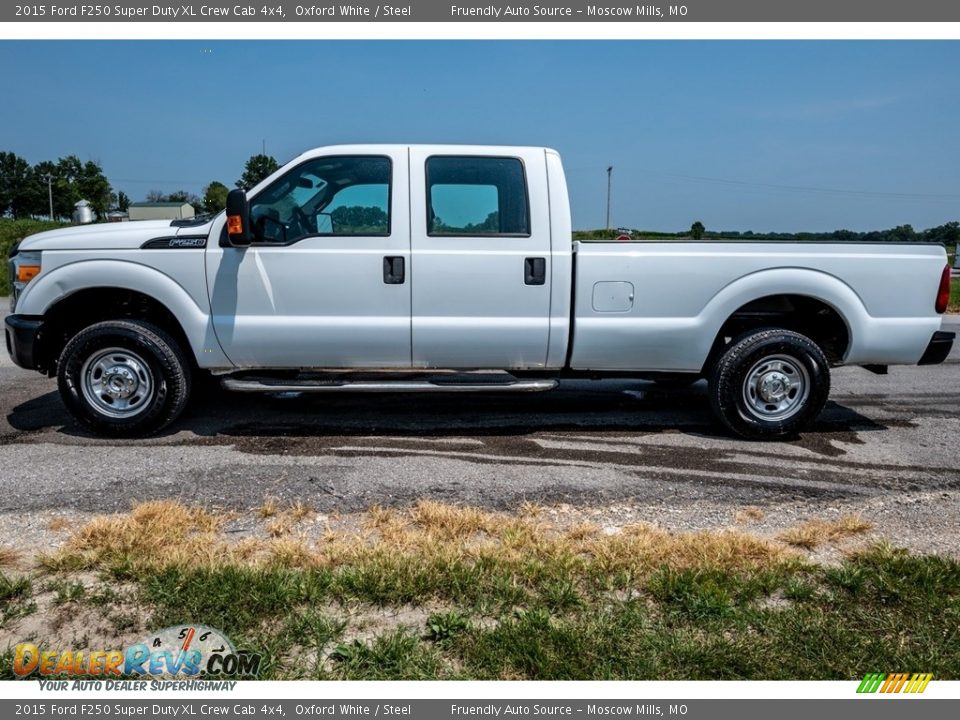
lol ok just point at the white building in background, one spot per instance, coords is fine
(160, 210)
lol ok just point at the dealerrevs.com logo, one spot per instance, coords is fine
(177, 651)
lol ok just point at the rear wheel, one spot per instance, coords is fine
(124, 378)
(769, 384)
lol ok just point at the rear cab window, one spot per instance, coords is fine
(471, 196)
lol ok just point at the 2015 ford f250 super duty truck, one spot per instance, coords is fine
(386, 268)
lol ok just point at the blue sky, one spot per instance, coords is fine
(768, 136)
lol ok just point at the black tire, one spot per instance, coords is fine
(769, 384)
(148, 373)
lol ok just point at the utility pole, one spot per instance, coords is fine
(263, 146)
(609, 180)
(49, 178)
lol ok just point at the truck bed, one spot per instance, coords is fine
(659, 306)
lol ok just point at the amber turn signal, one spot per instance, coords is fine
(234, 224)
(26, 273)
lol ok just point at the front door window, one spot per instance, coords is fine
(328, 196)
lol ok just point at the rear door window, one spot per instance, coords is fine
(477, 196)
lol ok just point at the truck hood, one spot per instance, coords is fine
(109, 236)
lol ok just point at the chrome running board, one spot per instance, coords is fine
(441, 385)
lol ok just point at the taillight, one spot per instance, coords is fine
(943, 293)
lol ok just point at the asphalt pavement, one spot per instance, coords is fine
(887, 447)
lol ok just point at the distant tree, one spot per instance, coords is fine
(123, 201)
(14, 185)
(845, 235)
(901, 233)
(697, 230)
(66, 187)
(257, 168)
(70, 181)
(948, 233)
(359, 219)
(183, 196)
(93, 186)
(490, 225)
(215, 197)
(156, 196)
(37, 198)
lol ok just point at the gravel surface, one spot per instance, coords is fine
(613, 452)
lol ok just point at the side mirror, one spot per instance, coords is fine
(238, 218)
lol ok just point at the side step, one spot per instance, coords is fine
(439, 383)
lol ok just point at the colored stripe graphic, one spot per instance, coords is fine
(894, 682)
(923, 679)
(871, 682)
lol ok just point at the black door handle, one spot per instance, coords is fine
(393, 270)
(535, 271)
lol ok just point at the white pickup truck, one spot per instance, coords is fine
(405, 268)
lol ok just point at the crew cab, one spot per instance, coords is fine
(412, 268)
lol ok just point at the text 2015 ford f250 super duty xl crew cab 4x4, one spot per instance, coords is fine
(388, 268)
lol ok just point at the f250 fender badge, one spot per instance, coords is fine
(176, 242)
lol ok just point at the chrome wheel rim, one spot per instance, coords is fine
(116, 382)
(776, 388)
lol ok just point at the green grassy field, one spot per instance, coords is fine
(441, 592)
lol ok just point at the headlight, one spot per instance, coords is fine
(24, 267)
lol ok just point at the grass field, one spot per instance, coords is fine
(443, 592)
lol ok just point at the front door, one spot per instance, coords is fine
(480, 256)
(325, 283)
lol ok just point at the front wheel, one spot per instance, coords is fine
(769, 384)
(124, 378)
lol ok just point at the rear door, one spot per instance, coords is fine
(480, 258)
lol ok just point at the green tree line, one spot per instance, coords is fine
(948, 234)
(26, 190)
(356, 219)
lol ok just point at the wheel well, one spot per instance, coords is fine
(800, 313)
(71, 314)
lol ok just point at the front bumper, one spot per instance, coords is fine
(23, 333)
(938, 348)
